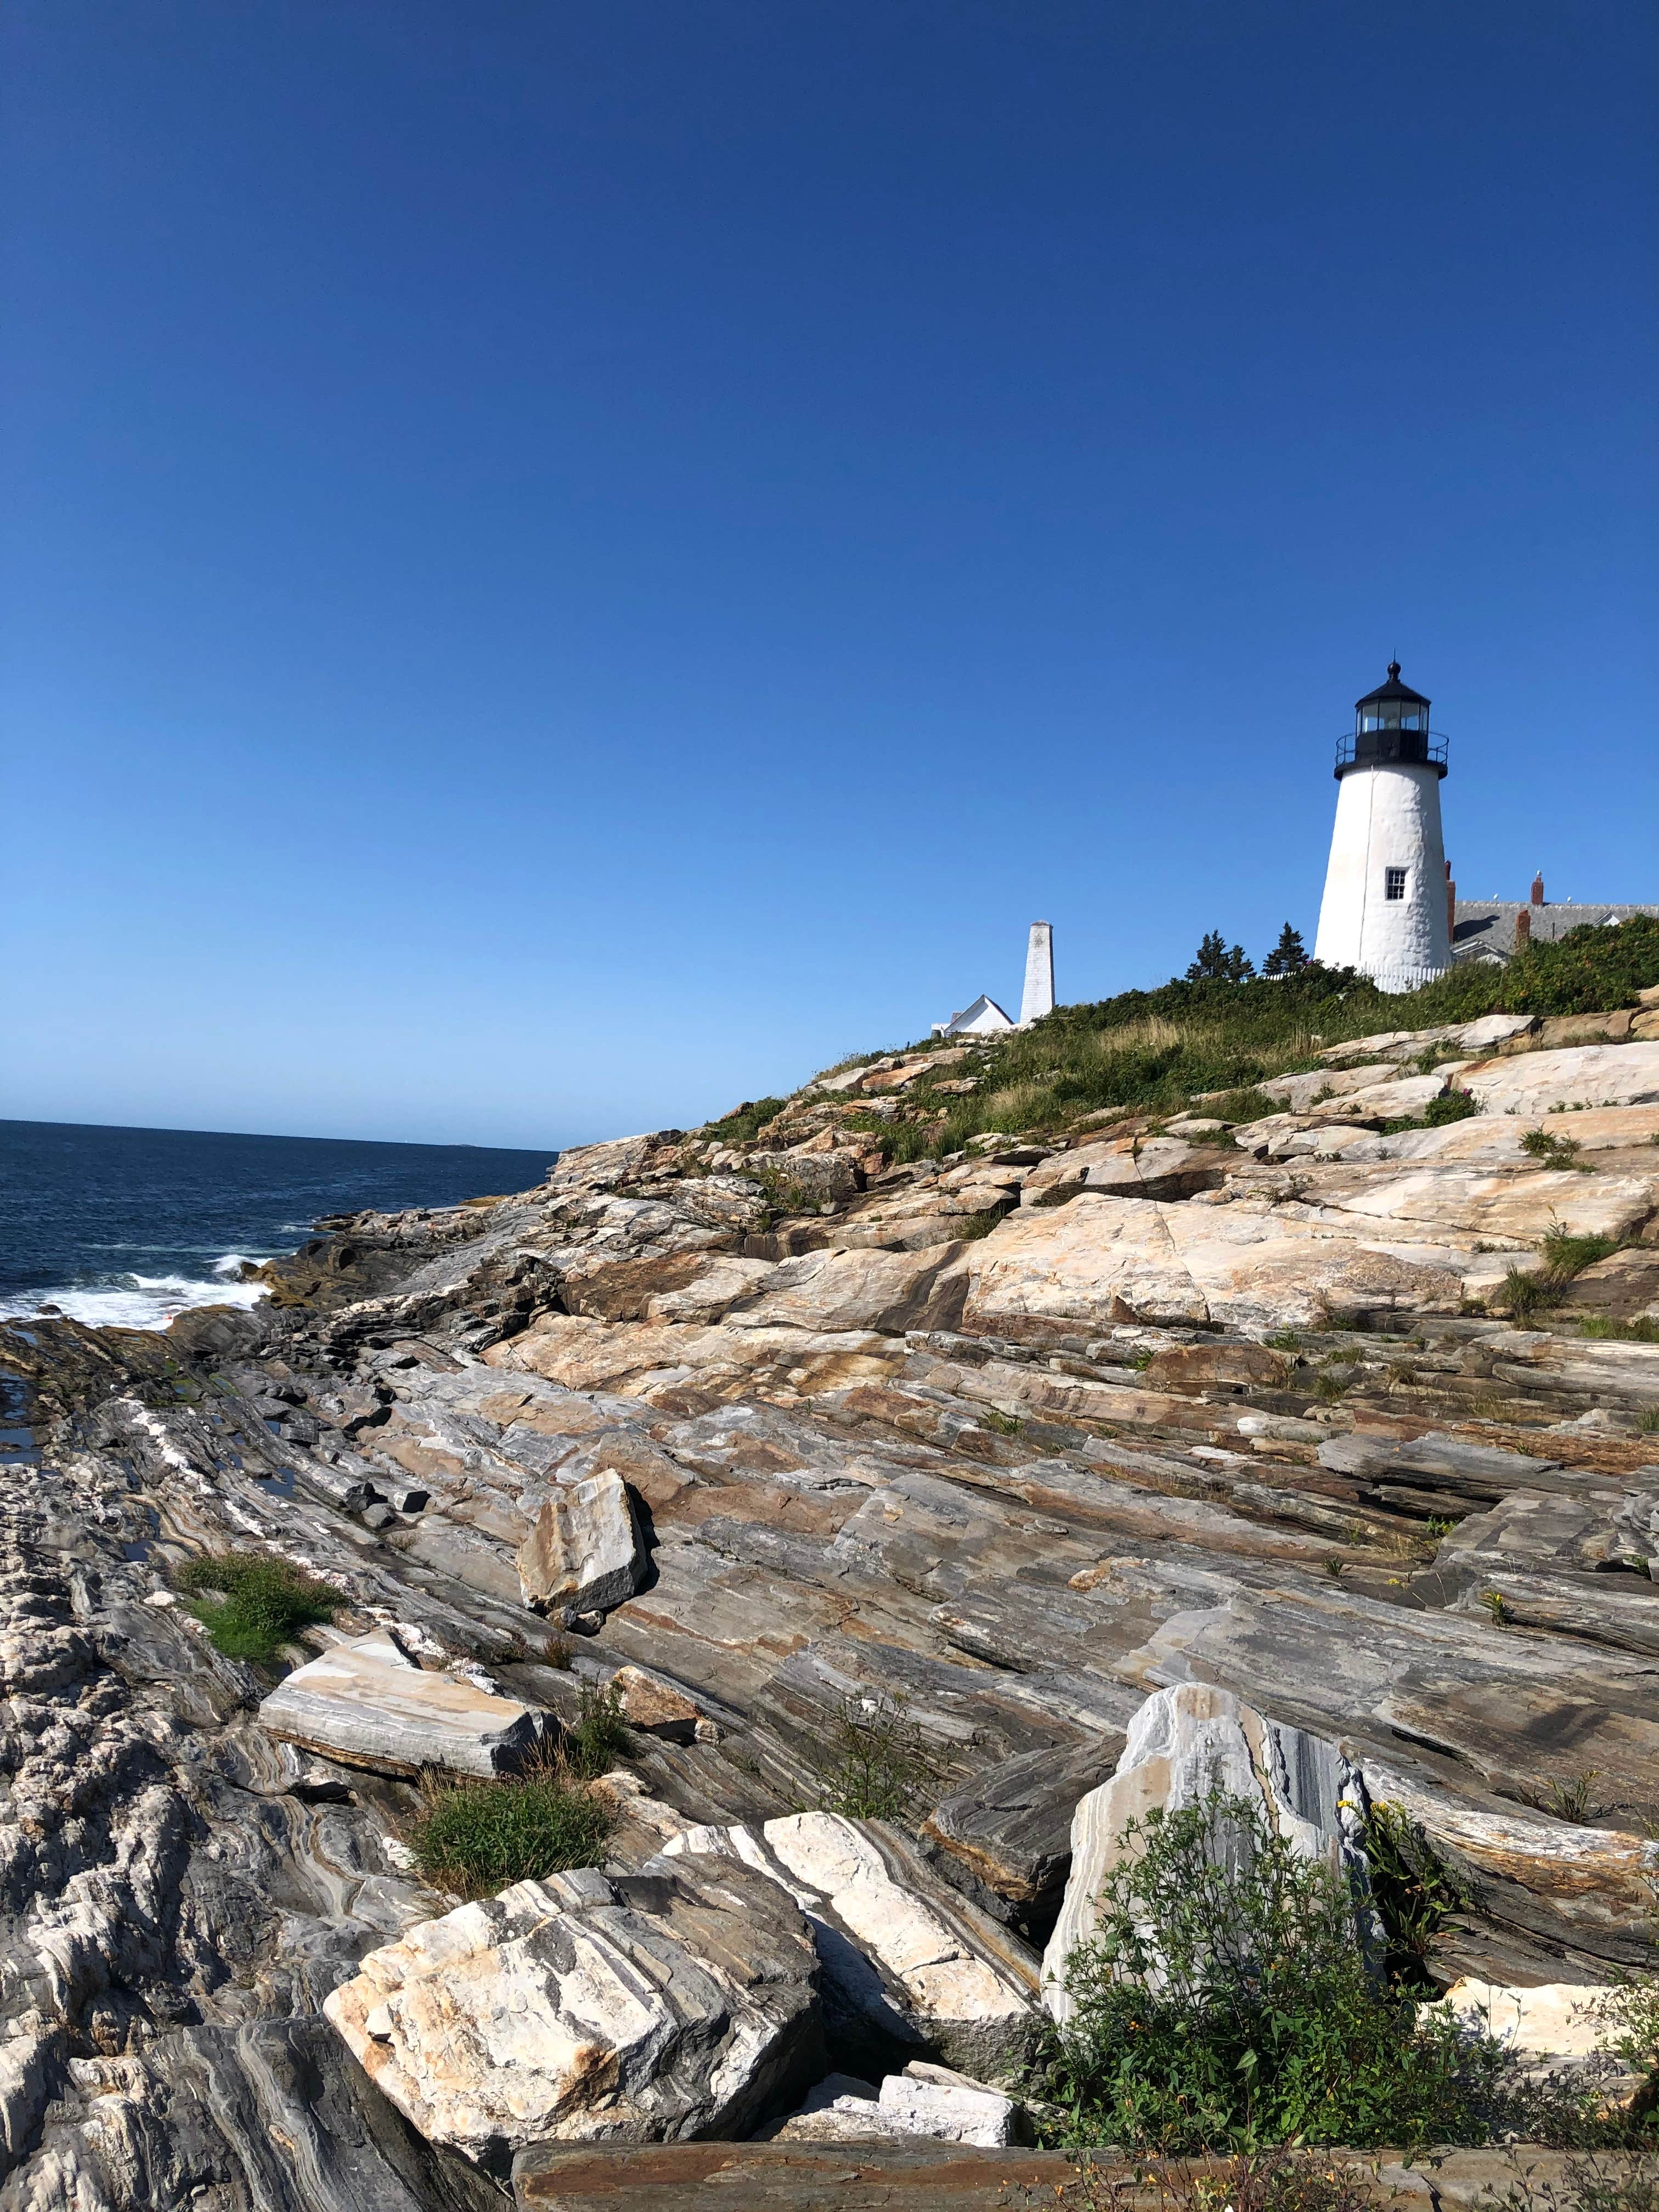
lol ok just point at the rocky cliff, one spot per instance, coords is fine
(768, 1434)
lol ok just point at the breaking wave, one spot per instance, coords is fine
(137, 1301)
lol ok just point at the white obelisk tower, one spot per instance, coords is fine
(1384, 909)
(1039, 995)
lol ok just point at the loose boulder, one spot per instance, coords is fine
(1183, 1744)
(366, 1704)
(584, 1550)
(588, 2009)
(925, 2100)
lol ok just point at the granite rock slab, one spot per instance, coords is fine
(587, 2008)
(366, 1704)
(910, 1967)
(1184, 1743)
(584, 1550)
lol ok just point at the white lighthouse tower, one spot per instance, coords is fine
(1385, 906)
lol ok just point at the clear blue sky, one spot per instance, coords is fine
(567, 564)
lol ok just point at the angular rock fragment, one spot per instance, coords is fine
(925, 2100)
(589, 2009)
(1008, 1831)
(1182, 1744)
(584, 1550)
(909, 1966)
(892, 1292)
(655, 1707)
(366, 1704)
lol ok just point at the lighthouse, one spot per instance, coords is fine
(1384, 910)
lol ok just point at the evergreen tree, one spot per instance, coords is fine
(1217, 964)
(1288, 955)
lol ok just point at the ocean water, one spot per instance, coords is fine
(127, 1227)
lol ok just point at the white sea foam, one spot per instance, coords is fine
(138, 1301)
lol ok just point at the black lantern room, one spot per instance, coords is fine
(1391, 726)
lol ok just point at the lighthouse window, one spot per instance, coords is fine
(1394, 883)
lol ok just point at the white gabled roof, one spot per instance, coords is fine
(984, 1017)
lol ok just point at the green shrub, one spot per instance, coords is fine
(600, 1736)
(1222, 2002)
(1593, 969)
(265, 1602)
(741, 1125)
(1449, 1106)
(1153, 1050)
(1566, 1255)
(876, 1764)
(1644, 1329)
(476, 1837)
(1554, 1151)
(1414, 1893)
(969, 1227)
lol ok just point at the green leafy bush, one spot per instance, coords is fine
(251, 1602)
(1222, 2002)
(1554, 1151)
(1451, 1106)
(599, 1738)
(744, 1123)
(1153, 1050)
(476, 1837)
(876, 1763)
(1593, 969)
(1414, 1893)
(1643, 1330)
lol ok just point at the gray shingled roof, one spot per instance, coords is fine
(1484, 929)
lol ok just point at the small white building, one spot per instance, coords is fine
(1386, 908)
(983, 1018)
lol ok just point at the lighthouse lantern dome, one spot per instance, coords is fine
(1391, 726)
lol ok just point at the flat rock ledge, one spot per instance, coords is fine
(879, 2177)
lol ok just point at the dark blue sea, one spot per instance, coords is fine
(127, 1227)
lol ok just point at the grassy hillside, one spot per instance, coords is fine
(1151, 1050)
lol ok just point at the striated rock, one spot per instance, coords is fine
(1007, 1834)
(1580, 1075)
(1424, 1539)
(1183, 1743)
(907, 1964)
(366, 1704)
(585, 2008)
(1098, 1262)
(890, 1291)
(925, 2100)
(584, 1550)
